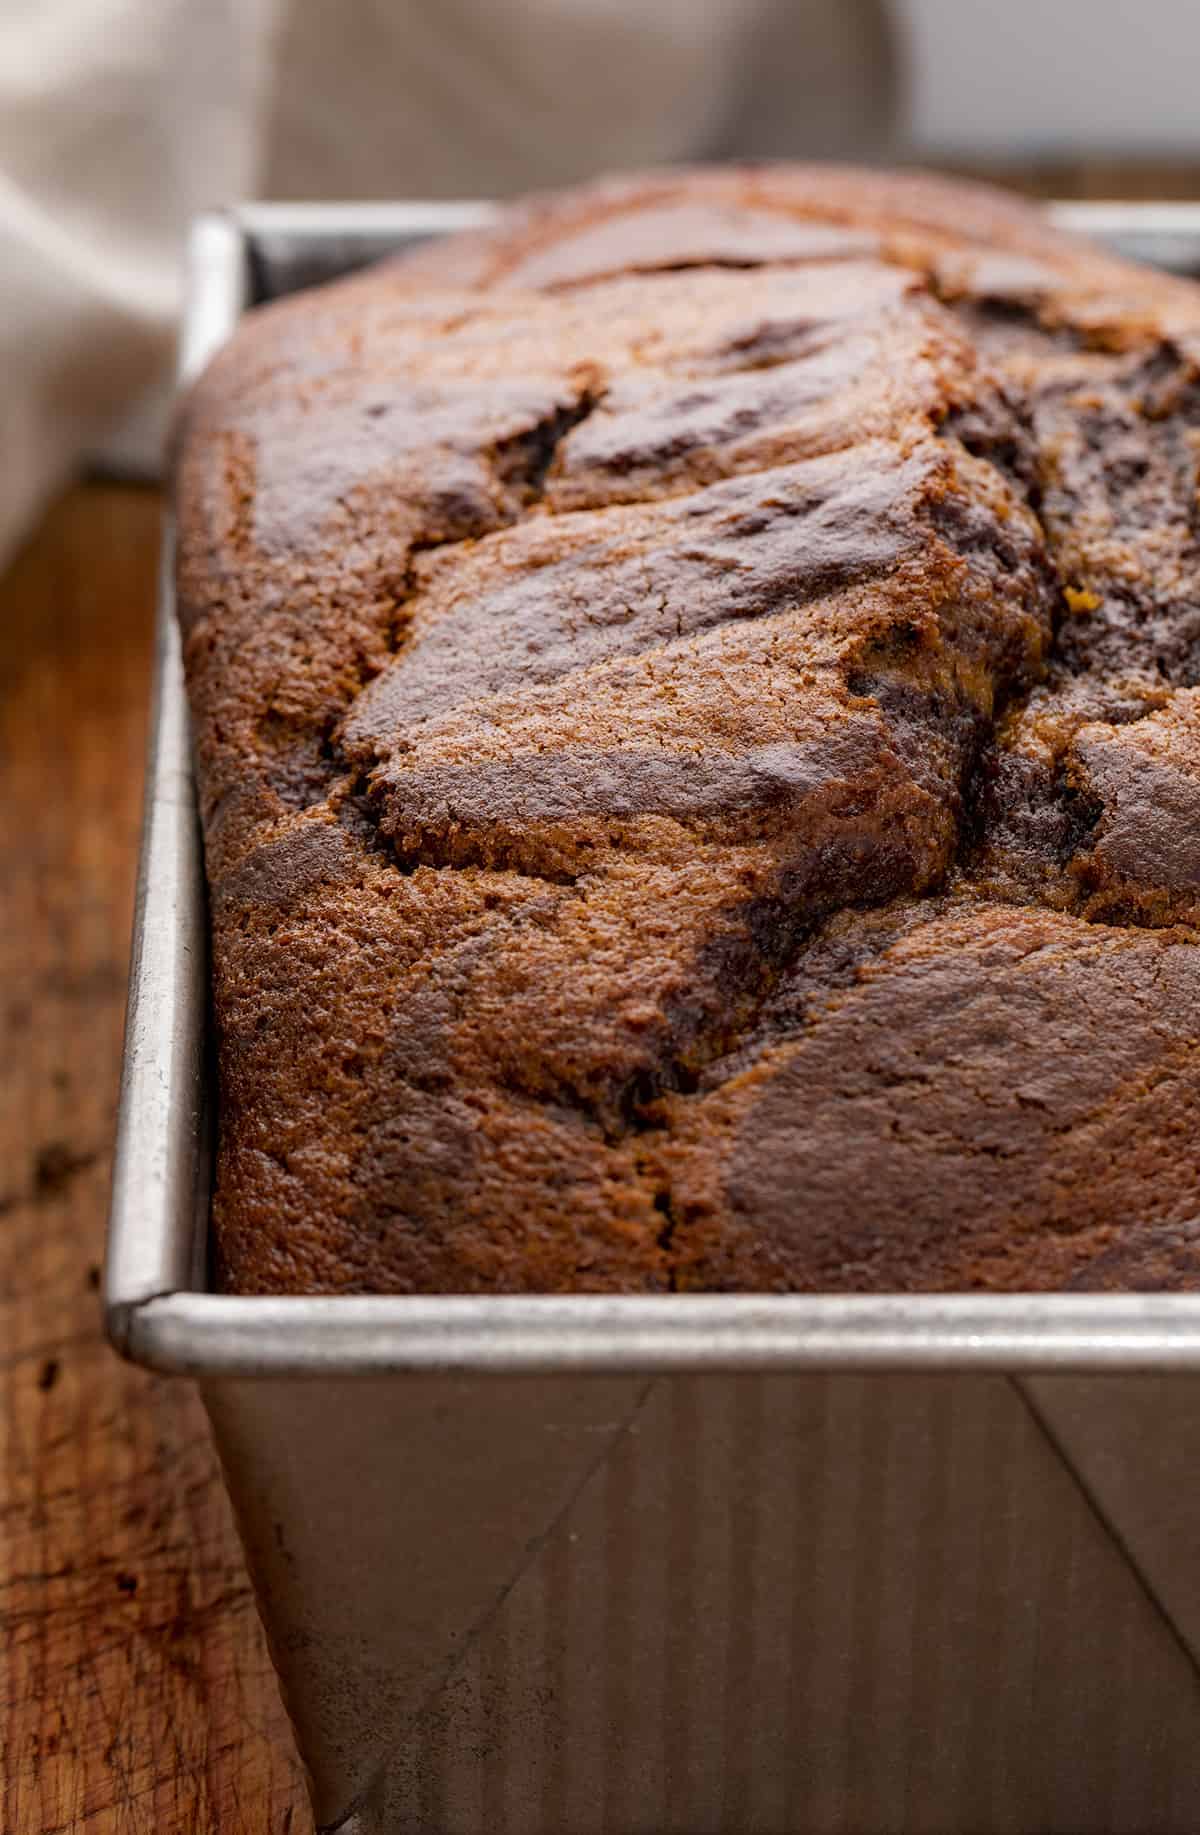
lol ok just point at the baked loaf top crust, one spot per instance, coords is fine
(697, 704)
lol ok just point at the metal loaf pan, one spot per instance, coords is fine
(569, 1565)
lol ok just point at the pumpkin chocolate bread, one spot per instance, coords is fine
(697, 708)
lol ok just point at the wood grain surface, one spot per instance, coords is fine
(136, 1691)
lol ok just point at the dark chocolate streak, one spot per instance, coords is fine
(306, 764)
(525, 460)
(822, 524)
(1101, 441)
(817, 525)
(1154, 1261)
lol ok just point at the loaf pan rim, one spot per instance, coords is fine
(156, 1310)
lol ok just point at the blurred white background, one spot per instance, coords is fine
(1048, 77)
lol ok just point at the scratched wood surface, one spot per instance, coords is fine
(135, 1691)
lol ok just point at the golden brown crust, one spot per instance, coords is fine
(695, 706)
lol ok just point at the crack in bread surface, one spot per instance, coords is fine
(702, 675)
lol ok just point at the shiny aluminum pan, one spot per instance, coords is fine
(769, 1564)
(157, 1309)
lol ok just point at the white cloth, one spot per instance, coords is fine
(121, 118)
(117, 119)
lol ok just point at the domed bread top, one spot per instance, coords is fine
(695, 705)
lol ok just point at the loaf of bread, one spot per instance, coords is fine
(696, 696)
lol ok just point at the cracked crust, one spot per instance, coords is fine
(695, 703)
